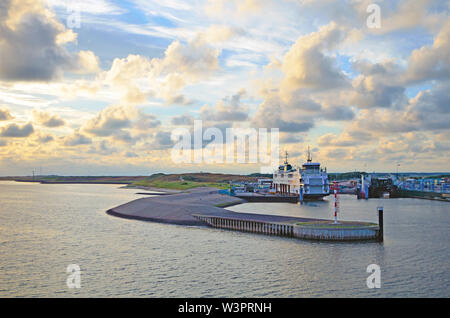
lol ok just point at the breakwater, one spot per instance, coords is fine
(203, 206)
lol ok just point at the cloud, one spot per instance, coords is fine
(193, 60)
(427, 111)
(165, 77)
(124, 70)
(430, 108)
(14, 130)
(221, 112)
(290, 126)
(162, 140)
(76, 139)
(383, 85)
(337, 153)
(289, 138)
(87, 62)
(337, 113)
(180, 120)
(228, 109)
(316, 86)
(273, 114)
(43, 139)
(89, 6)
(48, 120)
(123, 123)
(297, 114)
(431, 62)
(130, 154)
(219, 33)
(305, 65)
(5, 114)
(310, 87)
(147, 121)
(221, 8)
(378, 85)
(110, 121)
(349, 138)
(31, 44)
(404, 15)
(370, 93)
(102, 148)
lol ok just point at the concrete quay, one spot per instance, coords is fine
(310, 229)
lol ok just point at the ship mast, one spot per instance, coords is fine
(309, 159)
(286, 156)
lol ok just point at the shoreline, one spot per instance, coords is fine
(69, 182)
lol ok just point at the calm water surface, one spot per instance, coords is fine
(44, 228)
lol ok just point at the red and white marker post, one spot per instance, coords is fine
(336, 200)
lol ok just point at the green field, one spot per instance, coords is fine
(179, 185)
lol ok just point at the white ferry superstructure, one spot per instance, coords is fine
(310, 179)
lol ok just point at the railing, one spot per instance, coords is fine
(425, 186)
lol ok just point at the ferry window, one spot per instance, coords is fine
(290, 175)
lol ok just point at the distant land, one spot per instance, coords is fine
(184, 181)
(159, 180)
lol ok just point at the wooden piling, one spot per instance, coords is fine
(380, 224)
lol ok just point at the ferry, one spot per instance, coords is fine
(310, 180)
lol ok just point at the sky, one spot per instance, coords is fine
(97, 87)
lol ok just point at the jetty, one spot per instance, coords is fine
(205, 207)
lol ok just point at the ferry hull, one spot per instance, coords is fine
(314, 197)
(292, 198)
